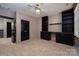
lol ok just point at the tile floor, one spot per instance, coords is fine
(37, 48)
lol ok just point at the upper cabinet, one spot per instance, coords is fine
(45, 23)
(68, 21)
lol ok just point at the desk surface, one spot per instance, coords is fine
(62, 33)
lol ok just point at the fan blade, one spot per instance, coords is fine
(30, 6)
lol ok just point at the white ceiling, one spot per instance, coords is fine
(48, 9)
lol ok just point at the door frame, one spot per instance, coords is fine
(5, 28)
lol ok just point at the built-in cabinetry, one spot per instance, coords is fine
(65, 38)
(45, 23)
(44, 33)
(67, 35)
(68, 21)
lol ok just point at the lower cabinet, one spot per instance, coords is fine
(45, 35)
(62, 38)
(65, 39)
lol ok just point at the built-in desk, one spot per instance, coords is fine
(59, 37)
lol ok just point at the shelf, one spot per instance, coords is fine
(60, 23)
(55, 23)
(67, 14)
(45, 23)
(69, 17)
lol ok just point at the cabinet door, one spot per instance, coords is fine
(65, 39)
(45, 23)
(45, 35)
(68, 21)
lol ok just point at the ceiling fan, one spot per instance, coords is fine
(36, 7)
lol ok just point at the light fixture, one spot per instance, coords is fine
(38, 10)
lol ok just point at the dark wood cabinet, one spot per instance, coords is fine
(65, 39)
(45, 35)
(67, 27)
(45, 23)
(68, 21)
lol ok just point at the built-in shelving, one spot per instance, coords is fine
(68, 21)
(55, 23)
(67, 34)
(44, 33)
(45, 23)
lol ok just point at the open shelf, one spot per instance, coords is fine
(55, 23)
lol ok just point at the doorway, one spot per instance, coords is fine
(24, 30)
(6, 28)
(9, 31)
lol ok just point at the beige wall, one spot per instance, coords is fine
(39, 27)
(33, 26)
(57, 18)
